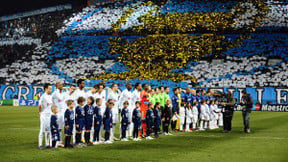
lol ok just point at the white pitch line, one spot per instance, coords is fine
(276, 138)
(32, 129)
(223, 136)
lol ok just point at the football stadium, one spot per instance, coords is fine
(144, 80)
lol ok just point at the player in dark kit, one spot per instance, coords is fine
(175, 108)
(125, 120)
(136, 119)
(187, 96)
(89, 112)
(54, 127)
(157, 119)
(79, 120)
(69, 123)
(149, 120)
(198, 99)
(107, 121)
(97, 121)
(166, 116)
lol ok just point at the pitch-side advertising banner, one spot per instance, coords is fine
(264, 98)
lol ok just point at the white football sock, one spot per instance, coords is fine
(187, 126)
(57, 143)
(46, 139)
(181, 127)
(50, 138)
(82, 136)
(100, 133)
(120, 132)
(131, 129)
(112, 133)
(220, 120)
(74, 133)
(194, 125)
(201, 124)
(60, 135)
(91, 134)
(40, 138)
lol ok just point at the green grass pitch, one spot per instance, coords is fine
(268, 141)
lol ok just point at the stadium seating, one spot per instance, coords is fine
(39, 26)
(33, 71)
(197, 6)
(85, 46)
(20, 41)
(83, 66)
(240, 72)
(268, 45)
(99, 19)
(82, 48)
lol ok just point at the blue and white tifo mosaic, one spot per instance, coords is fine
(77, 54)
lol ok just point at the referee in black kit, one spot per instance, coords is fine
(228, 113)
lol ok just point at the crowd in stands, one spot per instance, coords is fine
(83, 66)
(240, 72)
(85, 46)
(39, 26)
(29, 68)
(99, 20)
(11, 53)
(95, 19)
(68, 56)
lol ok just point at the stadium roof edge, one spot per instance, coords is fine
(36, 12)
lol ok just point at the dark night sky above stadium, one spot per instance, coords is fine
(8, 7)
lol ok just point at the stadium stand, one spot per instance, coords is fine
(39, 26)
(77, 44)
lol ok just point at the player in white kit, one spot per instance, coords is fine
(80, 92)
(204, 115)
(189, 116)
(126, 95)
(182, 114)
(45, 104)
(213, 115)
(195, 113)
(101, 93)
(70, 95)
(115, 97)
(219, 116)
(58, 99)
(92, 93)
(207, 106)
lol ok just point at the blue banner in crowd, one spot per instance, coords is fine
(263, 95)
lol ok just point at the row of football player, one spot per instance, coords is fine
(57, 99)
(88, 116)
